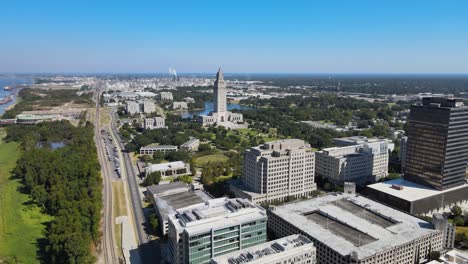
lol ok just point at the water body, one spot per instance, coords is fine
(209, 107)
(10, 81)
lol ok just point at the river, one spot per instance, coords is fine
(209, 107)
(10, 81)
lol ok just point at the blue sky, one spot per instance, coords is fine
(347, 36)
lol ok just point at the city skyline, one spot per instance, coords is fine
(242, 37)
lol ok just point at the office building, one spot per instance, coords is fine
(415, 198)
(403, 149)
(148, 106)
(362, 163)
(452, 257)
(277, 170)
(179, 105)
(153, 148)
(220, 115)
(155, 123)
(166, 96)
(440, 222)
(220, 226)
(167, 198)
(169, 169)
(353, 229)
(437, 148)
(191, 145)
(295, 249)
(133, 107)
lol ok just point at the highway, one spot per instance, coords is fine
(137, 205)
(108, 247)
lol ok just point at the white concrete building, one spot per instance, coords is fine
(191, 145)
(362, 163)
(169, 169)
(277, 170)
(155, 123)
(452, 257)
(202, 231)
(166, 96)
(133, 107)
(167, 198)
(220, 115)
(349, 229)
(153, 148)
(295, 249)
(149, 106)
(179, 105)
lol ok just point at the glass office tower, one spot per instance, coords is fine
(437, 148)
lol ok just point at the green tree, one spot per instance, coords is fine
(456, 210)
(152, 179)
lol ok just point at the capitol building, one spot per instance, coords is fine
(220, 115)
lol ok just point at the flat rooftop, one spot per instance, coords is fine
(266, 251)
(168, 204)
(348, 223)
(215, 214)
(166, 166)
(409, 191)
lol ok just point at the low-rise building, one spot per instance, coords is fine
(349, 229)
(415, 198)
(167, 198)
(452, 257)
(179, 105)
(216, 227)
(155, 123)
(153, 148)
(191, 145)
(169, 169)
(295, 249)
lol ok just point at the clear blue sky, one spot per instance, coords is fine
(348, 36)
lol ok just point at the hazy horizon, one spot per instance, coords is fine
(339, 37)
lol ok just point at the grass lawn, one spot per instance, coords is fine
(204, 160)
(119, 208)
(21, 222)
(462, 229)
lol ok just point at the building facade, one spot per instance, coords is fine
(363, 163)
(295, 249)
(153, 148)
(277, 170)
(155, 123)
(403, 150)
(191, 145)
(133, 107)
(166, 96)
(149, 106)
(437, 148)
(220, 115)
(169, 169)
(216, 227)
(350, 229)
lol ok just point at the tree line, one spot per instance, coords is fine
(65, 182)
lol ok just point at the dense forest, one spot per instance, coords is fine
(60, 170)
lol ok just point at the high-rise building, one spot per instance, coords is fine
(437, 148)
(220, 115)
(361, 163)
(277, 170)
(206, 230)
(403, 149)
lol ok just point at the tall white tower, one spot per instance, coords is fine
(220, 97)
